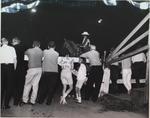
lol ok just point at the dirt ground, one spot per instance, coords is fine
(87, 109)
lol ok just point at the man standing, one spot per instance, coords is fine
(50, 74)
(114, 75)
(126, 73)
(138, 65)
(8, 63)
(95, 74)
(19, 77)
(34, 72)
(85, 42)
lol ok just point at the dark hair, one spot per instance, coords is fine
(17, 39)
(83, 60)
(51, 44)
(36, 44)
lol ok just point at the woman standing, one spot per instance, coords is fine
(81, 78)
(66, 77)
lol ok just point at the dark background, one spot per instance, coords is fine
(54, 21)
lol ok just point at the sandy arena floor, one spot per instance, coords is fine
(87, 109)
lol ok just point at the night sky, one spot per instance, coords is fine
(56, 22)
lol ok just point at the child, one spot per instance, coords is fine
(81, 78)
(66, 77)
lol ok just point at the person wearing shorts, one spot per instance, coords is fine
(66, 77)
(81, 78)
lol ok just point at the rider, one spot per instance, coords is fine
(86, 41)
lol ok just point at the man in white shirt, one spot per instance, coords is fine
(138, 67)
(114, 75)
(8, 63)
(95, 74)
(126, 73)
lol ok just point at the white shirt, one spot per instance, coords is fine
(7, 54)
(139, 57)
(93, 56)
(81, 72)
(126, 63)
(66, 63)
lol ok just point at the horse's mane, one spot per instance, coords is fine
(72, 47)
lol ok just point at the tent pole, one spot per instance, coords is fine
(129, 54)
(130, 35)
(132, 43)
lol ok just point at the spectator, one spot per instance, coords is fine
(34, 73)
(50, 74)
(8, 61)
(138, 65)
(126, 73)
(66, 77)
(95, 74)
(19, 77)
(81, 78)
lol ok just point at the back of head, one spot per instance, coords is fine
(36, 44)
(83, 60)
(51, 44)
(16, 40)
(93, 47)
(4, 41)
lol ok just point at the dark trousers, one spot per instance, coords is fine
(138, 70)
(47, 86)
(114, 76)
(7, 83)
(73, 92)
(95, 77)
(19, 80)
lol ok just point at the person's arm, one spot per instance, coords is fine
(14, 58)
(144, 57)
(74, 72)
(60, 61)
(43, 56)
(84, 55)
(72, 64)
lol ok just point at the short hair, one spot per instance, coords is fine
(51, 44)
(93, 47)
(36, 43)
(4, 39)
(17, 39)
(83, 59)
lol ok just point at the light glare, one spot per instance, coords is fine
(33, 10)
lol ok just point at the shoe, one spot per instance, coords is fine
(22, 103)
(40, 102)
(79, 102)
(64, 101)
(48, 103)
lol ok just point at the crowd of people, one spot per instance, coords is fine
(40, 80)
